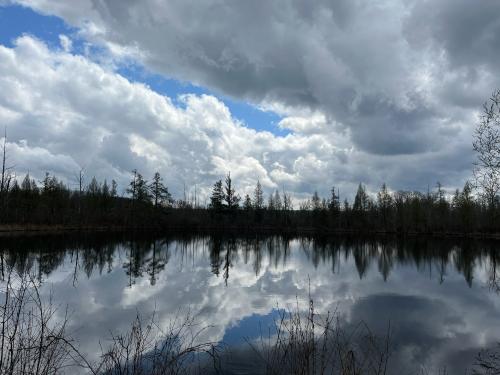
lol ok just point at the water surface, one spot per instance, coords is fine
(439, 297)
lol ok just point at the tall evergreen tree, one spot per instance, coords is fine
(94, 188)
(361, 200)
(334, 202)
(316, 202)
(138, 188)
(258, 197)
(159, 192)
(384, 202)
(114, 186)
(217, 197)
(278, 205)
(247, 203)
(231, 199)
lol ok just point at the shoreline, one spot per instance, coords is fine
(15, 229)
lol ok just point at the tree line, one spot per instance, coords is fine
(473, 209)
(150, 204)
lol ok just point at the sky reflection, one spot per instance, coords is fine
(438, 297)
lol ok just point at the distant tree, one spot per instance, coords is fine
(5, 176)
(464, 207)
(361, 200)
(80, 180)
(231, 199)
(132, 189)
(277, 200)
(26, 184)
(94, 188)
(138, 188)
(114, 186)
(334, 202)
(105, 189)
(305, 205)
(247, 203)
(346, 205)
(142, 191)
(258, 197)
(384, 202)
(270, 203)
(159, 192)
(50, 184)
(217, 197)
(487, 146)
(287, 201)
(316, 202)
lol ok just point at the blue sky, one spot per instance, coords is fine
(16, 20)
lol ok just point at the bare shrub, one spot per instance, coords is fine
(32, 340)
(147, 349)
(308, 343)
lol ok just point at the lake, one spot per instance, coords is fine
(438, 298)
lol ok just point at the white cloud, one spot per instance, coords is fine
(81, 114)
(66, 43)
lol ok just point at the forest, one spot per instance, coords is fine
(474, 209)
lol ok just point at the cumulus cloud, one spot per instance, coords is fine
(75, 114)
(393, 72)
(86, 115)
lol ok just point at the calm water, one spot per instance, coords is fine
(439, 296)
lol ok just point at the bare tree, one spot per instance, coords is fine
(6, 176)
(487, 146)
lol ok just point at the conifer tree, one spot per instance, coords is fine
(258, 197)
(231, 199)
(159, 192)
(247, 203)
(217, 197)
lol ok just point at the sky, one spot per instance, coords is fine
(300, 95)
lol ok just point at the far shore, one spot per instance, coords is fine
(33, 229)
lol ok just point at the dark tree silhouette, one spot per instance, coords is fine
(217, 198)
(159, 192)
(231, 199)
(258, 197)
(138, 188)
(247, 203)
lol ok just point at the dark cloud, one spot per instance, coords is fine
(467, 31)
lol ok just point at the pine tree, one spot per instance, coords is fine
(384, 201)
(114, 186)
(217, 197)
(334, 202)
(278, 205)
(287, 201)
(361, 200)
(159, 192)
(247, 203)
(231, 199)
(26, 184)
(105, 189)
(138, 188)
(142, 190)
(270, 202)
(258, 197)
(93, 189)
(316, 202)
